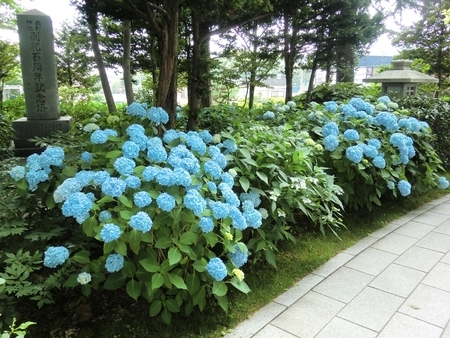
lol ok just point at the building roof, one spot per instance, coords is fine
(374, 61)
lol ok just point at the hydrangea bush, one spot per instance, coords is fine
(374, 150)
(159, 216)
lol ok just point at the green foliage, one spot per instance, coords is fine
(364, 183)
(220, 117)
(19, 331)
(339, 92)
(437, 114)
(6, 135)
(14, 109)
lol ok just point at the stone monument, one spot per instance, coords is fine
(39, 82)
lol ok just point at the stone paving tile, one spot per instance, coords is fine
(419, 258)
(344, 284)
(440, 200)
(444, 228)
(407, 217)
(404, 326)
(372, 261)
(271, 331)
(428, 304)
(340, 328)
(446, 333)
(306, 317)
(299, 289)
(431, 218)
(333, 264)
(380, 233)
(361, 245)
(414, 229)
(446, 258)
(372, 308)
(395, 243)
(398, 280)
(442, 209)
(257, 321)
(439, 277)
(435, 241)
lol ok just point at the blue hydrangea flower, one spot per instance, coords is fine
(443, 182)
(165, 202)
(114, 263)
(404, 187)
(388, 120)
(76, 205)
(140, 139)
(67, 188)
(157, 154)
(206, 223)
(252, 196)
(348, 110)
(247, 205)
(170, 135)
(213, 169)
(212, 187)
(35, 177)
(99, 137)
(331, 106)
(351, 135)
(370, 151)
(180, 156)
(195, 142)
(375, 143)
(136, 109)
(330, 142)
(86, 157)
(101, 176)
(51, 156)
(133, 182)
(166, 177)
(141, 221)
(84, 278)
(130, 149)
(330, 128)
(104, 216)
(238, 257)
(124, 165)
(354, 154)
(410, 123)
(157, 115)
(390, 185)
(253, 218)
(379, 162)
(238, 220)
(230, 146)
(55, 255)
(110, 232)
(205, 136)
(269, 115)
(229, 195)
(195, 202)
(113, 187)
(84, 177)
(142, 199)
(182, 177)
(220, 209)
(384, 99)
(358, 103)
(149, 173)
(213, 150)
(216, 269)
(90, 127)
(17, 173)
(135, 129)
(221, 160)
(110, 132)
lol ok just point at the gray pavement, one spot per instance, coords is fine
(393, 283)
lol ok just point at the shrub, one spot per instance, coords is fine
(372, 149)
(157, 217)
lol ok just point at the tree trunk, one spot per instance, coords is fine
(126, 62)
(101, 67)
(290, 42)
(166, 97)
(328, 72)
(345, 63)
(311, 80)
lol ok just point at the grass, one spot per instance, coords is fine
(115, 315)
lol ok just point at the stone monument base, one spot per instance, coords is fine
(26, 129)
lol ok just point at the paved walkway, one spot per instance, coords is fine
(393, 283)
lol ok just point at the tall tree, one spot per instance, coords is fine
(74, 60)
(429, 39)
(9, 64)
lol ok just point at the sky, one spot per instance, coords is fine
(61, 10)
